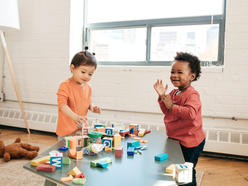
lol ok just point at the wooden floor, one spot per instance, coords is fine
(217, 171)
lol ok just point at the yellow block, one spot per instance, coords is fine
(142, 132)
(170, 169)
(117, 140)
(42, 160)
(74, 172)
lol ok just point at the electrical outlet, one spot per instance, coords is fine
(2, 97)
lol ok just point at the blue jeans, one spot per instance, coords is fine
(192, 155)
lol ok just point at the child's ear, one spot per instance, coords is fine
(72, 67)
(193, 75)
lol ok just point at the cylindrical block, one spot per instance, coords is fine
(72, 144)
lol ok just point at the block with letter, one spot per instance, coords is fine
(183, 173)
(107, 141)
(57, 161)
(134, 126)
(109, 130)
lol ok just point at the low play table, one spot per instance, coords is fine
(140, 169)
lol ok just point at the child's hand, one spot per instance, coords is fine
(158, 86)
(79, 120)
(95, 109)
(168, 102)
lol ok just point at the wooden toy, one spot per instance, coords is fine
(183, 173)
(124, 133)
(137, 151)
(64, 179)
(134, 126)
(79, 181)
(109, 130)
(45, 167)
(102, 164)
(72, 150)
(57, 161)
(80, 175)
(112, 124)
(94, 163)
(141, 132)
(67, 141)
(85, 130)
(40, 160)
(100, 129)
(119, 151)
(107, 149)
(74, 154)
(66, 160)
(117, 140)
(130, 151)
(132, 135)
(107, 141)
(161, 157)
(133, 143)
(74, 172)
(97, 125)
(170, 169)
(63, 148)
(147, 131)
(81, 141)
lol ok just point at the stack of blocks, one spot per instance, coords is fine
(81, 141)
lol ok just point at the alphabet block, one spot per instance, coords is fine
(107, 141)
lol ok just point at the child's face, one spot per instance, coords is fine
(82, 74)
(181, 75)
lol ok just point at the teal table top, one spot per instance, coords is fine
(140, 169)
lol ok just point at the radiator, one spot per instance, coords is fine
(225, 141)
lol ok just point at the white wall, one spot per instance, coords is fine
(49, 36)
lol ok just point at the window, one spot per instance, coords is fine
(145, 32)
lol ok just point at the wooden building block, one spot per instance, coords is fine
(134, 143)
(170, 169)
(45, 167)
(38, 161)
(74, 172)
(64, 179)
(117, 140)
(130, 151)
(102, 164)
(94, 163)
(79, 181)
(161, 157)
(66, 160)
(142, 132)
(119, 151)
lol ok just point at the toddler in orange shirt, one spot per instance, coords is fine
(74, 95)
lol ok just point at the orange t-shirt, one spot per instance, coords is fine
(78, 99)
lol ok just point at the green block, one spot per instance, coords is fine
(79, 181)
(94, 163)
(66, 160)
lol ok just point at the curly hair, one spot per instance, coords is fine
(84, 58)
(194, 62)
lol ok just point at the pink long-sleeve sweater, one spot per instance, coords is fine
(184, 121)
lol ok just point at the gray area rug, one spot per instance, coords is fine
(12, 173)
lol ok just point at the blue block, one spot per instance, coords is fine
(63, 148)
(161, 157)
(107, 141)
(102, 164)
(133, 143)
(97, 125)
(130, 151)
(57, 161)
(109, 130)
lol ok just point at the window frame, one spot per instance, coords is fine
(148, 24)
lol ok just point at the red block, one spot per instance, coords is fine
(45, 167)
(119, 151)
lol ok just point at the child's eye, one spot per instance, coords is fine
(83, 72)
(172, 72)
(90, 74)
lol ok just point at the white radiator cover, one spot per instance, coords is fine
(225, 141)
